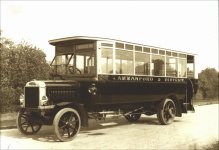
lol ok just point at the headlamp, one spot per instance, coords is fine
(21, 98)
(92, 90)
(44, 100)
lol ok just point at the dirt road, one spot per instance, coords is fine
(191, 131)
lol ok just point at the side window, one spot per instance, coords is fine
(90, 64)
(142, 63)
(85, 62)
(190, 66)
(106, 60)
(171, 66)
(80, 63)
(124, 62)
(158, 65)
(182, 67)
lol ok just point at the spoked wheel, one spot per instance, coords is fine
(67, 124)
(26, 123)
(133, 117)
(166, 112)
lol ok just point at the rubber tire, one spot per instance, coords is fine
(21, 130)
(56, 123)
(160, 113)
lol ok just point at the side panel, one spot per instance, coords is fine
(115, 89)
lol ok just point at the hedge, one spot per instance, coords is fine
(9, 99)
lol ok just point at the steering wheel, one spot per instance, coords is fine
(74, 70)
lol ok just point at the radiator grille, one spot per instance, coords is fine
(32, 97)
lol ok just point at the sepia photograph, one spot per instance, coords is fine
(109, 75)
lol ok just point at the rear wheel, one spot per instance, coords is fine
(133, 117)
(27, 123)
(67, 124)
(166, 112)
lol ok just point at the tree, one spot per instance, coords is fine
(19, 63)
(208, 83)
(6, 46)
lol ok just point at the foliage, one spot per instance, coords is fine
(20, 63)
(208, 83)
(9, 99)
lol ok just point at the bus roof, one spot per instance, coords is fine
(89, 39)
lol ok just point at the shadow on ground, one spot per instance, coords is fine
(46, 134)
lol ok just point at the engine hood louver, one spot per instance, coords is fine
(61, 83)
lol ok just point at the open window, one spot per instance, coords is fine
(78, 59)
(190, 66)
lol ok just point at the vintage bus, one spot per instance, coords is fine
(93, 77)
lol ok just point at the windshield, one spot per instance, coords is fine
(78, 62)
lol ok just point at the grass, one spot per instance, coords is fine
(205, 101)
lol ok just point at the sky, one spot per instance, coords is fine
(189, 26)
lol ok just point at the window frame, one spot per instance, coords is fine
(161, 52)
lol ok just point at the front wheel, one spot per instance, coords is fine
(67, 124)
(27, 123)
(166, 112)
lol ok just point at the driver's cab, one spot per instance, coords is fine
(74, 58)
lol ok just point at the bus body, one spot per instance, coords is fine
(96, 76)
